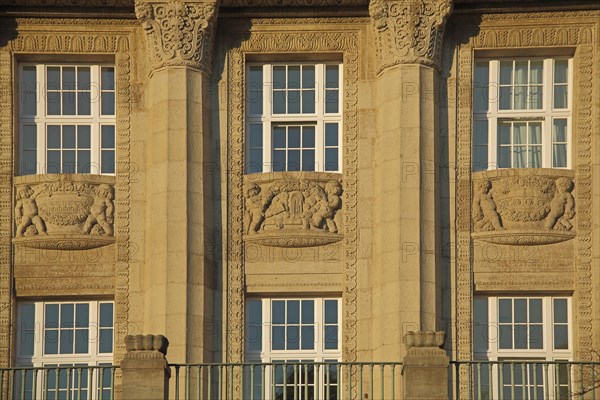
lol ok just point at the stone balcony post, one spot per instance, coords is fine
(179, 40)
(145, 368)
(406, 284)
(425, 366)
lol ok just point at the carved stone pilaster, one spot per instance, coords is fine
(178, 33)
(409, 31)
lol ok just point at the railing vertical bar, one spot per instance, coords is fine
(263, 370)
(209, 382)
(273, 381)
(556, 388)
(306, 382)
(219, 381)
(56, 382)
(478, 367)
(112, 383)
(295, 381)
(252, 382)
(200, 381)
(382, 383)
(177, 382)
(569, 382)
(535, 381)
(501, 373)
(186, 391)
(10, 382)
(546, 381)
(90, 372)
(490, 377)
(338, 384)
(23, 378)
(523, 377)
(512, 381)
(79, 384)
(317, 386)
(327, 380)
(371, 383)
(284, 381)
(393, 381)
(34, 389)
(100, 383)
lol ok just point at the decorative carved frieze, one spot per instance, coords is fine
(526, 207)
(63, 212)
(292, 209)
(409, 31)
(178, 33)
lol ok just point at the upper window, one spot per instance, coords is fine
(522, 113)
(294, 117)
(62, 335)
(66, 119)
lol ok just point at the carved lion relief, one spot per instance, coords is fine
(292, 207)
(526, 207)
(61, 214)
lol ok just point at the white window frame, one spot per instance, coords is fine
(319, 118)
(41, 120)
(39, 359)
(546, 114)
(546, 353)
(319, 354)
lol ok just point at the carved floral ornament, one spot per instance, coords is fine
(292, 212)
(523, 210)
(409, 31)
(64, 215)
(178, 33)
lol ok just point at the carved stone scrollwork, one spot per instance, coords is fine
(409, 31)
(178, 33)
(64, 212)
(531, 207)
(293, 210)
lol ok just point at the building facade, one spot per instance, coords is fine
(270, 181)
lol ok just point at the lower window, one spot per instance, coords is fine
(293, 344)
(73, 342)
(522, 345)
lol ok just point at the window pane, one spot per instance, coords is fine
(505, 337)
(480, 93)
(308, 101)
(81, 341)
(67, 341)
(29, 162)
(521, 72)
(505, 307)
(537, 72)
(535, 310)
(53, 78)
(69, 103)
(331, 337)
(561, 72)
(293, 312)
(29, 137)
(279, 160)
(67, 314)
(293, 101)
(279, 137)
(536, 336)
(83, 137)
(331, 159)
(108, 78)
(308, 137)
(506, 72)
(53, 162)
(106, 341)
(520, 310)
(255, 86)
(254, 329)
(520, 133)
(293, 163)
(559, 156)
(108, 103)
(331, 311)
(560, 96)
(308, 160)
(293, 77)
(559, 131)
(535, 133)
(331, 134)
(278, 339)
(278, 312)
(520, 333)
(83, 78)
(53, 101)
(308, 76)
(108, 136)
(294, 137)
(536, 97)
(480, 142)
(480, 324)
(520, 98)
(51, 316)
(28, 91)
(505, 98)
(308, 337)
(308, 311)
(106, 315)
(83, 103)
(332, 76)
(519, 157)
(279, 77)
(293, 338)
(561, 337)
(68, 78)
(331, 101)
(82, 315)
(68, 141)
(107, 158)
(278, 102)
(51, 341)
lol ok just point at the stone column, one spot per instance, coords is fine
(405, 283)
(145, 368)
(425, 366)
(177, 301)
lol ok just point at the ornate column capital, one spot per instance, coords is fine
(409, 31)
(178, 33)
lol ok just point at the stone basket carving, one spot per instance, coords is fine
(293, 209)
(523, 206)
(64, 211)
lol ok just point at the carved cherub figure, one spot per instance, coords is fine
(102, 210)
(315, 207)
(562, 206)
(255, 209)
(278, 209)
(334, 203)
(26, 211)
(484, 209)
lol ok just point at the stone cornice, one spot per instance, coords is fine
(178, 33)
(409, 31)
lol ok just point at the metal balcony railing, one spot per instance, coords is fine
(58, 382)
(525, 380)
(290, 380)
